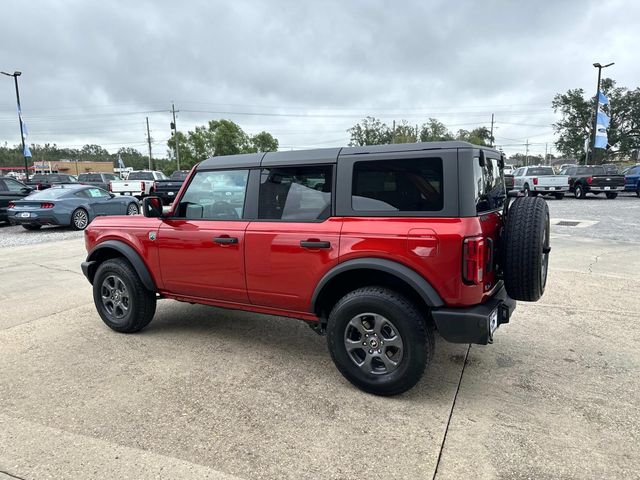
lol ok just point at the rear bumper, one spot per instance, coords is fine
(563, 189)
(474, 324)
(616, 188)
(38, 219)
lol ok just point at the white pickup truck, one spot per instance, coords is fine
(139, 183)
(540, 180)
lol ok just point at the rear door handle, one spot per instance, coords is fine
(226, 240)
(315, 244)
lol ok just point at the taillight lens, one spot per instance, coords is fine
(535, 180)
(39, 186)
(154, 186)
(473, 260)
(110, 187)
(589, 180)
(142, 187)
(11, 205)
(46, 205)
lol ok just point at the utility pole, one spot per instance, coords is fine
(491, 130)
(526, 154)
(175, 135)
(546, 145)
(417, 134)
(393, 133)
(149, 142)
(15, 76)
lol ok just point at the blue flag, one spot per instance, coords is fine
(603, 119)
(602, 99)
(27, 152)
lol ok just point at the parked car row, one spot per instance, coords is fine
(578, 180)
(74, 205)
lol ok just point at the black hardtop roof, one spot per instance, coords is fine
(323, 155)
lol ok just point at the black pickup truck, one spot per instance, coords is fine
(167, 189)
(593, 179)
(100, 180)
(10, 190)
(42, 181)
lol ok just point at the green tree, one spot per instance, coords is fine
(370, 131)
(404, 133)
(434, 131)
(94, 152)
(263, 142)
(477, 136)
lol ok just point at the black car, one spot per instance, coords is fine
(168, 189)
(100, 180)
(10, 190)
(593, 179)
(42, 181)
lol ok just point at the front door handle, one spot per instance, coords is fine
(315, 244)
(226, 240)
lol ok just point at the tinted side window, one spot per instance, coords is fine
(295, 193)
(141, 176)
(410, 185)
(215, 195)
(12, 185)
(489, 185)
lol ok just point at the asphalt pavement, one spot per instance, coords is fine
(208, 393)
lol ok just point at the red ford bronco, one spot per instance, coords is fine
(376, 247)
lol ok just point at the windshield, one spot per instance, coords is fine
(540, 171)
(49, 194)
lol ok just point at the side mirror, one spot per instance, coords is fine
(26, 190)
(152, 207)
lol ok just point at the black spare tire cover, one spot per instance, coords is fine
(526, 248)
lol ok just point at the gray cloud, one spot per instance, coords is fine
(91, 69)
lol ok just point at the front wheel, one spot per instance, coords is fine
(122, 301)
(579, 192)
(132, 209)
(79, 219)
(611, 196)
(379, 340)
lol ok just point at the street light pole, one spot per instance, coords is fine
(15, 76)
(595, 112)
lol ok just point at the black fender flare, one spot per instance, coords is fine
(91, 265)
(422, 287)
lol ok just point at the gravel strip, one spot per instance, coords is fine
(13, 236)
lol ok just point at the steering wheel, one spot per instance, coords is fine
(224, 210)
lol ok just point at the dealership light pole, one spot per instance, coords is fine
(15, 76)
(595, 112)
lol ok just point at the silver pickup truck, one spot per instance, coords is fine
(139, 184)
(540, 180)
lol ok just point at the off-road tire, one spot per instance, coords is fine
(526, 249)
(579, 192)
(612, 195)
(31, 227)
(142, 302)
(559, 196)
(415, 331)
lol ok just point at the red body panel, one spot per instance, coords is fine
(281, 273)
(193, 264)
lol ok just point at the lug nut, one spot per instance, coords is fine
(370, 351)
(364, 343)
(381, 342)
(379, 351)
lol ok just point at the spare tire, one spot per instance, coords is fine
(526, 248)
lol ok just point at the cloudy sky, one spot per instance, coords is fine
(304, 71)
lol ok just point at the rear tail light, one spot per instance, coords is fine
(142, 187)
(39, 186)
(46, 205)
(589, 180)
(473, 260)
(11, 205)
(154, 186)
(535, 180)
(110, 187)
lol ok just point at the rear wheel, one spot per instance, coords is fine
(122, 301)
(611, 196)
(379, 340)
(31, 227)
(579, 192)
(526, 249)
(79, 219)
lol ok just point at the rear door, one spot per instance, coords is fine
(201, 248)
(102, 203)
(294, 240)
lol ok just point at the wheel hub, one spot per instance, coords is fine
(373, 343)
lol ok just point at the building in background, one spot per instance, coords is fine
(72, 167)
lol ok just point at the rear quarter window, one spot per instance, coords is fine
(407, 185)
(490, 192)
